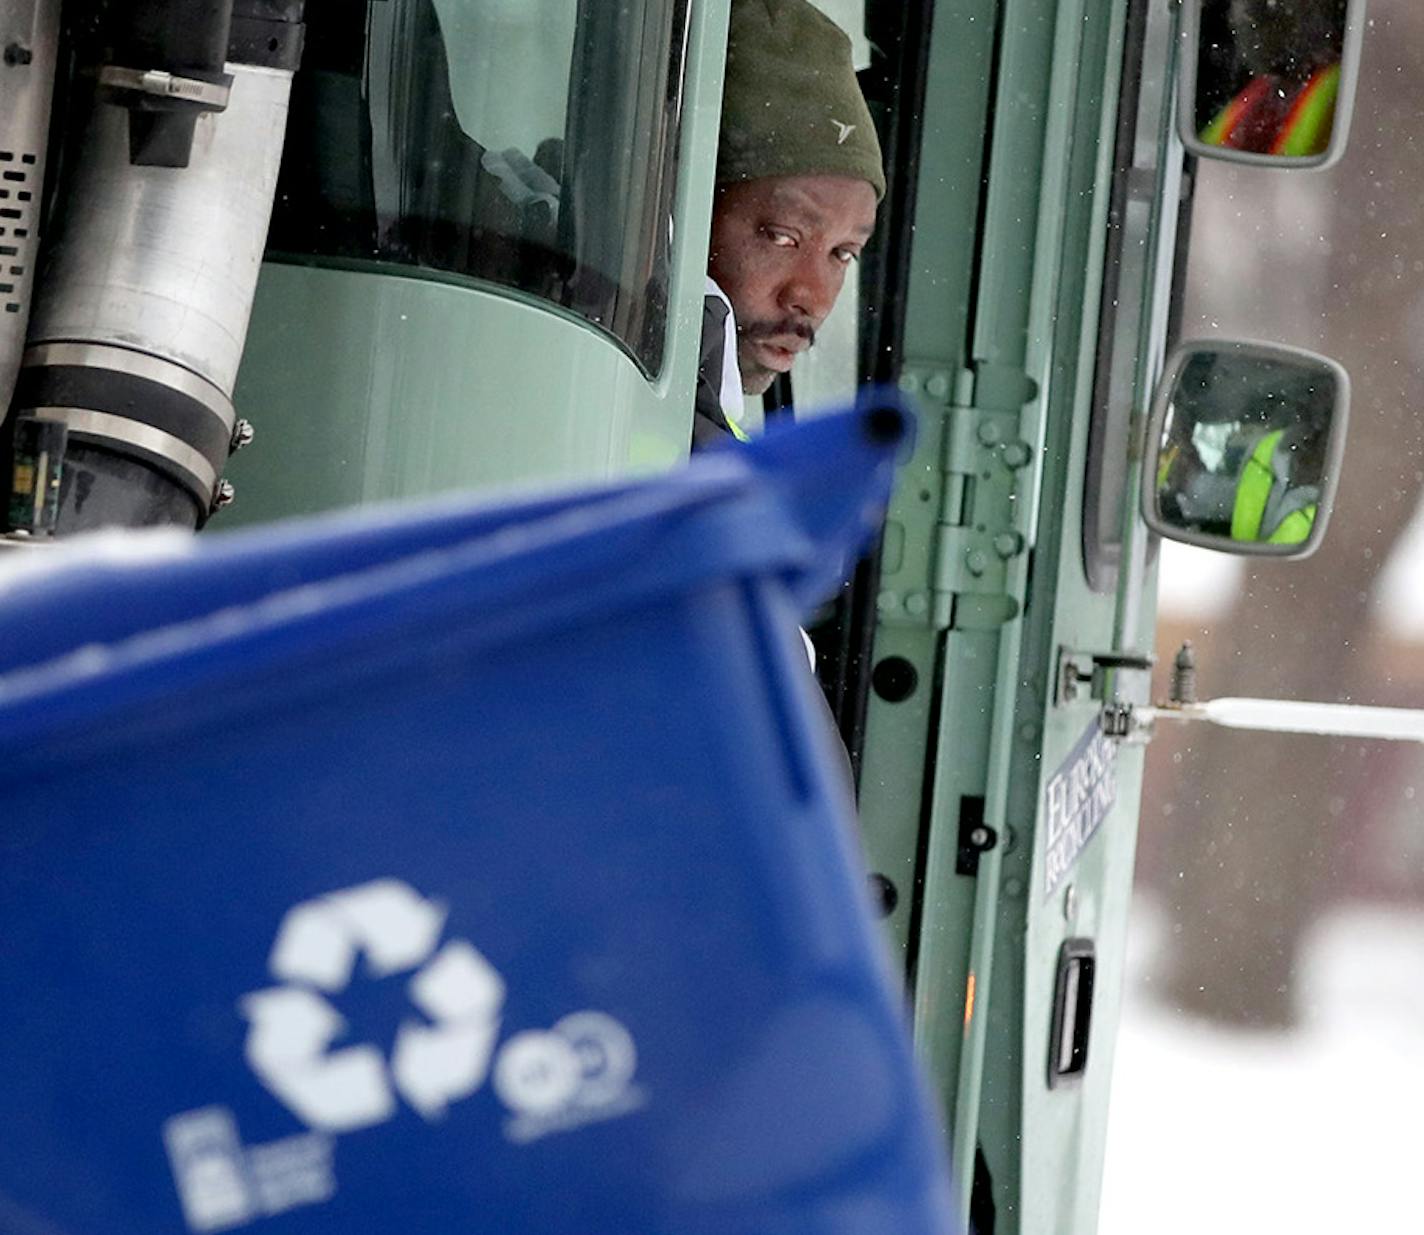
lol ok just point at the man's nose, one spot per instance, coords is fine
(811, 289)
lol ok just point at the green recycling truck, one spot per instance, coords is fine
(268, 258)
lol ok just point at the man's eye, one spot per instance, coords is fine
(785, 239)
(846, 256)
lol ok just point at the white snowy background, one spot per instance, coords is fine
(1308, 1132)
(1311, 1131)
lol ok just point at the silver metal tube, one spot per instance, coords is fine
(165, 260)
(138, 328)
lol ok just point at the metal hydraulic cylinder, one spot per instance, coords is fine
(138, 329)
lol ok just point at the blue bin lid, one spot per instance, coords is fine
(798, 505)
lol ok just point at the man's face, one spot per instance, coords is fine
(781, 246)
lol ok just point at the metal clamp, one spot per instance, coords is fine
(172, 454)
(159, 83)
(1077, 670)
(1124, 722)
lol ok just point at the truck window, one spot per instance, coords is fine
(530, 145)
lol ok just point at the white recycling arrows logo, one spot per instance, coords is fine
(292, 1027)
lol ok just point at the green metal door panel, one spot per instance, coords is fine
(893, 769)
(1044, 1144)
(1065, 1129)
(951, 167)
(368, 381)
(984, 582)
(900, 735)
(1061, 1131)
(366, 385)
(1022, 344)
(1019, 160)
(943, 963)
(904, 739)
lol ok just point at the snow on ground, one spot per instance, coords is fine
(1315, 1131)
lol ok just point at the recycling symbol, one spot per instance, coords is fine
(434, 1061)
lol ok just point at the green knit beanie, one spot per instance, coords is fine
(791, 105)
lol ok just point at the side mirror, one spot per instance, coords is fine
(1270, 82)
(1244, 446)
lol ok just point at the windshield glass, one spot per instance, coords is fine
(530, 143)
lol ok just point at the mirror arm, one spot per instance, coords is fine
(1135, 723)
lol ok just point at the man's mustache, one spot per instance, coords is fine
(798, 327)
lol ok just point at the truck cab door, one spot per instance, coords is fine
(1000, 822)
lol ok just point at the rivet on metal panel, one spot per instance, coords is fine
(1016, 455)
(1008, 544)
(917, 604)
(990, 432)
(976, 561)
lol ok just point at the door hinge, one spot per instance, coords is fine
(978, 535)
(954, 530)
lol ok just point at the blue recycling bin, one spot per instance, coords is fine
(453, 869)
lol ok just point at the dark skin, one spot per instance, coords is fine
(781, 248)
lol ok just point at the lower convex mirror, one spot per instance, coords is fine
(1244, 446)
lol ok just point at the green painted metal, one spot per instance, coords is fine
(1053, 1138)
(1070, 215)
(367, 382)
(899, 736)
(984, 583)
(366, 385)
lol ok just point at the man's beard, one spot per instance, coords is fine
(757, 377)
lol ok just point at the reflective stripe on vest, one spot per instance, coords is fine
(1253, 490)
(1312, 116)
(1295, 527)
(1253, 496)
(1263, 118)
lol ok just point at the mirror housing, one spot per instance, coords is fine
(1269, 82)
(1243, 450)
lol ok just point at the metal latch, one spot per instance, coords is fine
(975, 836)
(1125, 722)
(1084, 674)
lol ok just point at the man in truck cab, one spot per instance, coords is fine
(799, 176)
